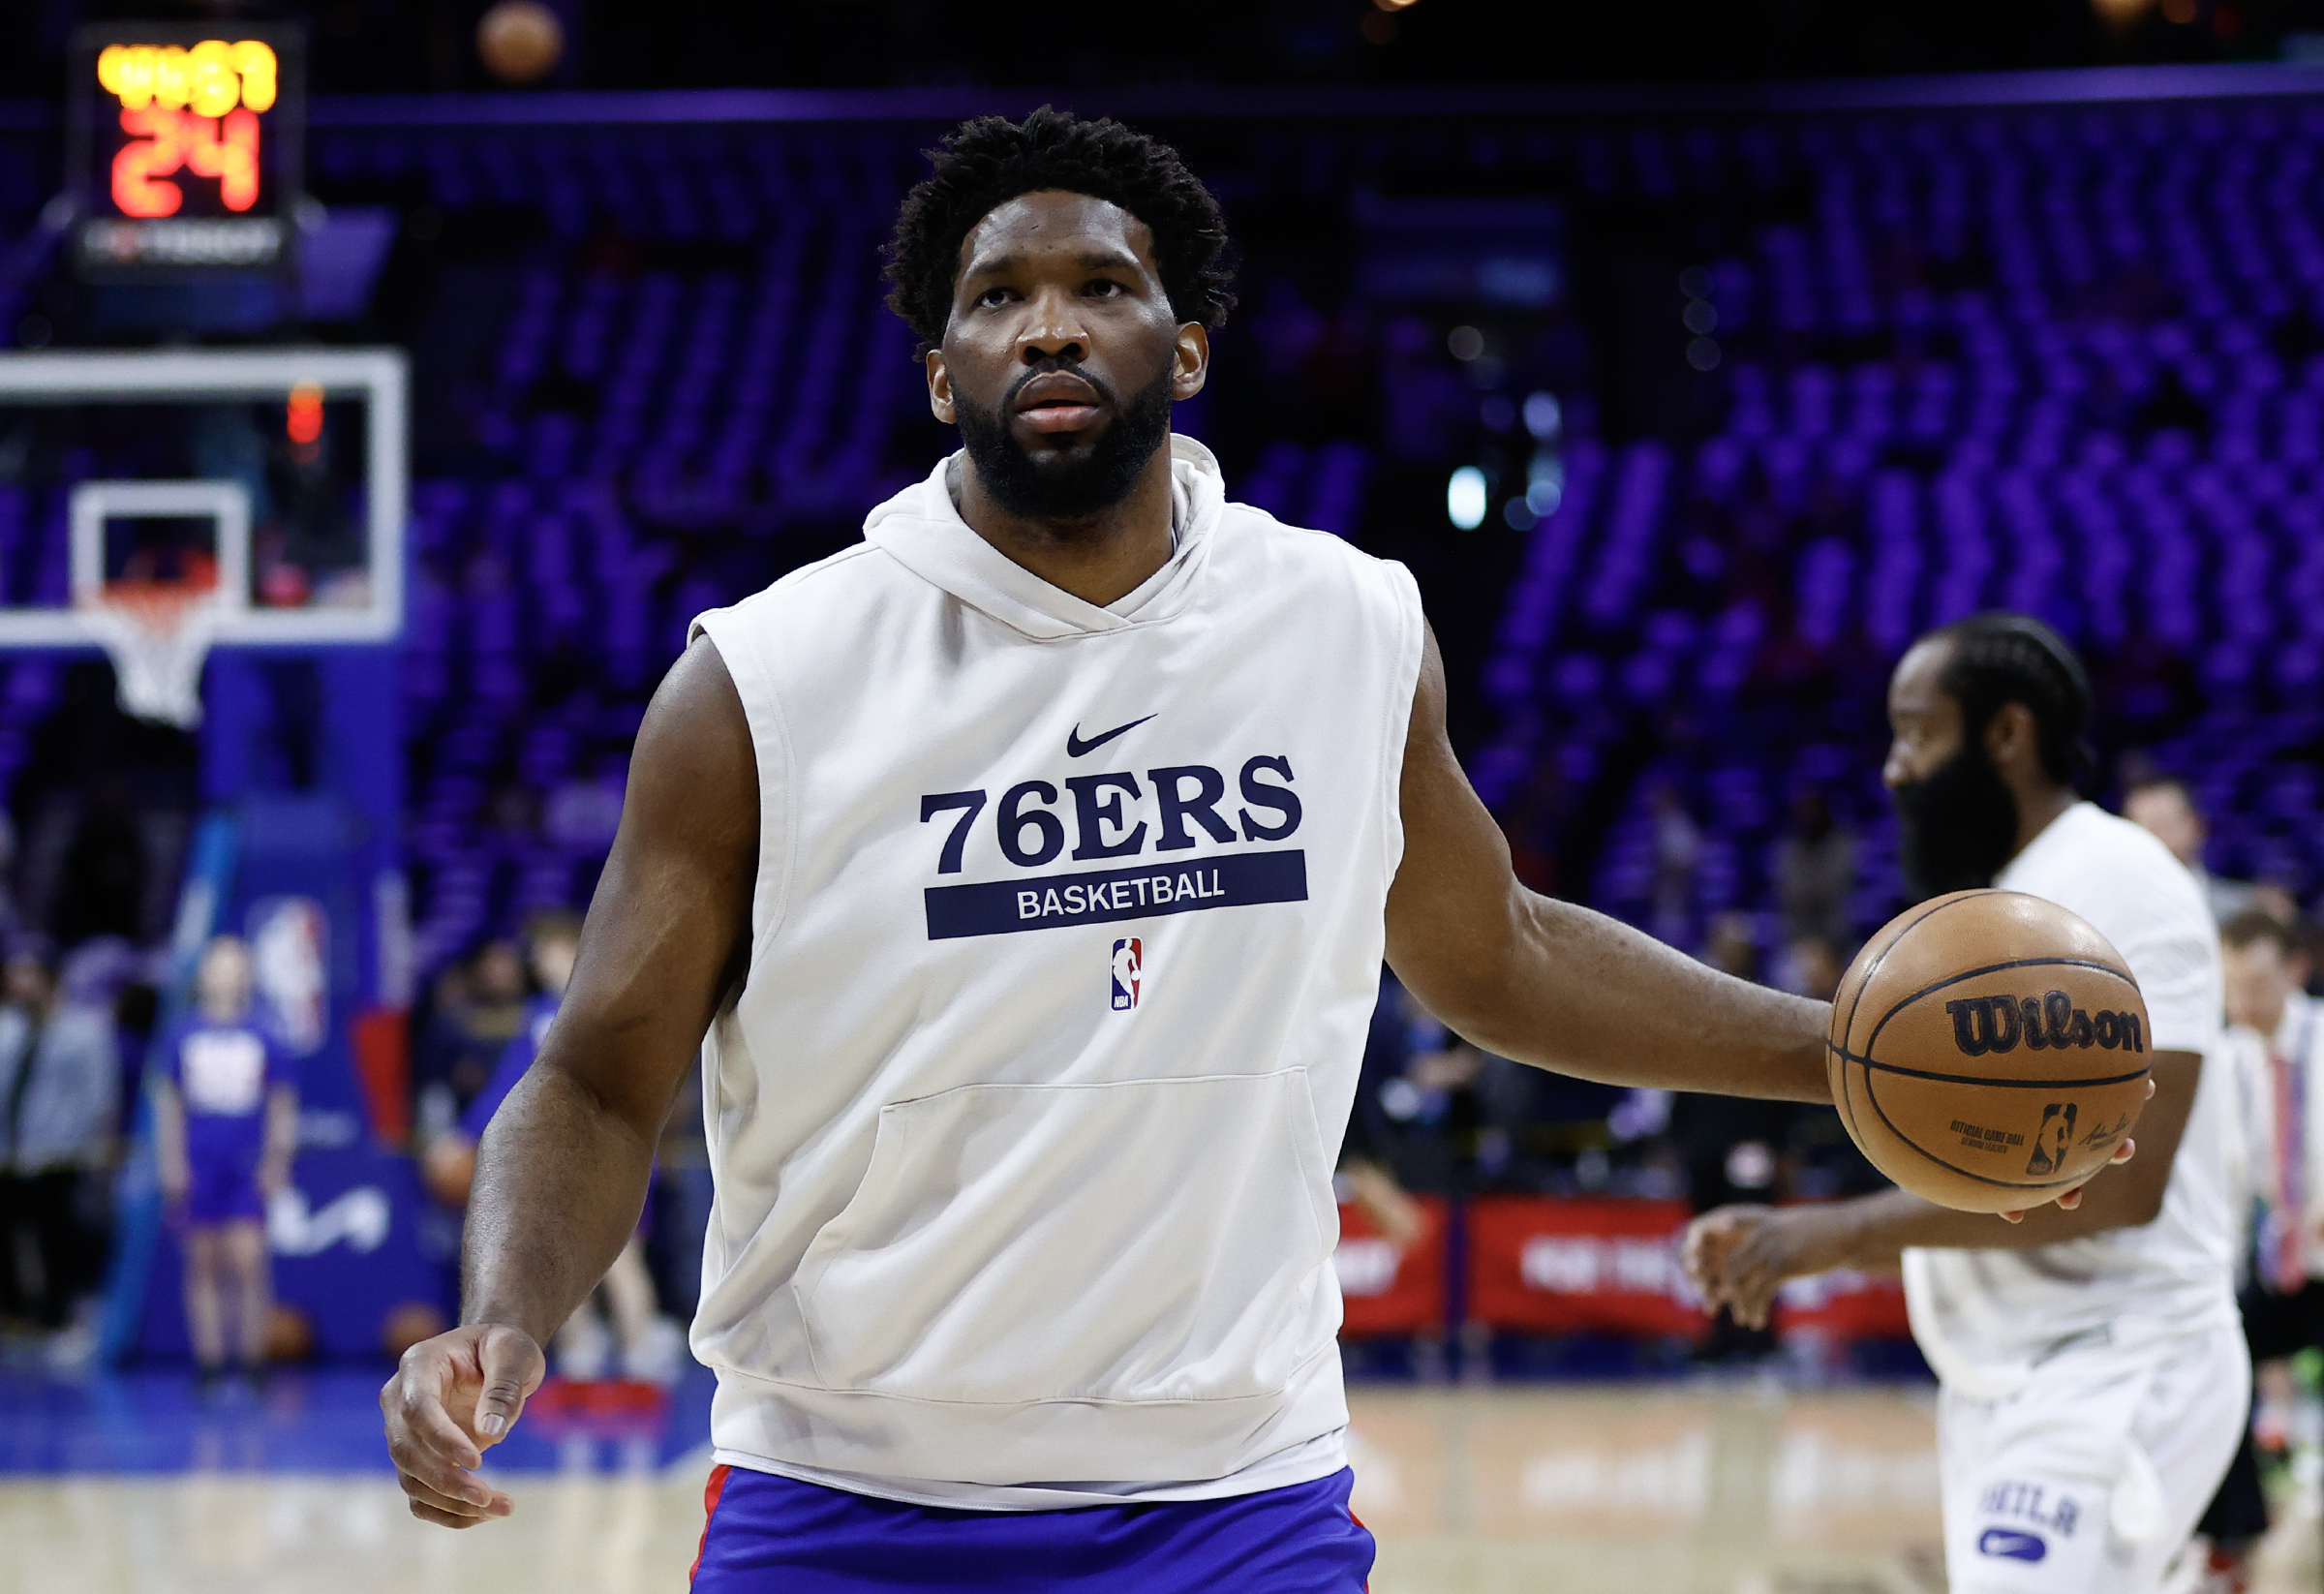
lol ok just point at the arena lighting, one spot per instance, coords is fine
(303, 421)
(1465, 498)
(1545, 483)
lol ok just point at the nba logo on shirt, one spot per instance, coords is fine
(1129, 955)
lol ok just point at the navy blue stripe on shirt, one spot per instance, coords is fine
(1051, 901)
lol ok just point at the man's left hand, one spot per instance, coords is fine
(1739, 1256)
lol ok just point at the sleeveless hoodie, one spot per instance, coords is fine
(1066, 933)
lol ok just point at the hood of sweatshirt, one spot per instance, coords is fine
(921, 529)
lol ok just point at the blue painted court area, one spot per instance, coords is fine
(324, 1421)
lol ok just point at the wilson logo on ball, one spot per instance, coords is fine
(1998, 1024)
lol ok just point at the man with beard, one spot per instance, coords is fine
(2094, 1378)
(1029, 867)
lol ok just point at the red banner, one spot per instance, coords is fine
(1545, 1264)
(1386, 1290)
(1846, 1305)
(1549, 1265)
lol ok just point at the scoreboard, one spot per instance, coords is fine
(185, 148)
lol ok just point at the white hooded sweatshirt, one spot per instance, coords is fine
(1066, 933)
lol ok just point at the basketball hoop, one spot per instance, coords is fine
(165, 453)
(157, 634)
(157, 627)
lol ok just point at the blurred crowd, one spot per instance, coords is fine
(82, 1043)
(73, 1040)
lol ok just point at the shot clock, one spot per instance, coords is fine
(185, 148)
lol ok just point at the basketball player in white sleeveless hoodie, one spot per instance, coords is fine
(1021, 877)
(2094, 1379)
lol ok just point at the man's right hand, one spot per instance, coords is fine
(451, 1398)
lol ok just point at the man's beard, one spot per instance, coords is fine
(1956, 827)
(1064, 487)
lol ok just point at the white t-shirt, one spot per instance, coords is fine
(1986, 1318)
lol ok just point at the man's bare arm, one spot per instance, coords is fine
(1558, 986)
(562, 1172)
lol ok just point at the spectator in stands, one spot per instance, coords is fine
(2278, 1050)
(1815, 1155)
(449, 1164)
(1386, 1051)
(1677, 856)
(1366, 1154)
(2162, 804)
(1814, 870)
(59, 1108)
(477, 1013)
(225, 1127)
(2279, 1044)
(1810, 968)
(1733, 946)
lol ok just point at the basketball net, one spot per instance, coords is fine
(157, 634)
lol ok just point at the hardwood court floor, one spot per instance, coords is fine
(1565, 1489)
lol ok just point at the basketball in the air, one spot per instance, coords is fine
(1988, 1050)
(520, 41)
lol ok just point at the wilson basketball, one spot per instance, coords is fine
(1988, 1050)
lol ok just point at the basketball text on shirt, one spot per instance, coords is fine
(1115, 816)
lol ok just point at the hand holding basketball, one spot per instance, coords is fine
(1988, 1052)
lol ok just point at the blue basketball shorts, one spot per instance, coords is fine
(771, 1535)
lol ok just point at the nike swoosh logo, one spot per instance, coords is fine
(1075, 746)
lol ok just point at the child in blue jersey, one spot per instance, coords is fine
(226, 1123)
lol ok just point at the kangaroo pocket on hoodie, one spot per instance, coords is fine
(1144, 1241)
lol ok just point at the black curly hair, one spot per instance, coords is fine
(989, 160)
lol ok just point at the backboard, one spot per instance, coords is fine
(279, 473)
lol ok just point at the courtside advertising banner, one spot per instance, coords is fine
(1391, 1289)
(1546, 1265)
